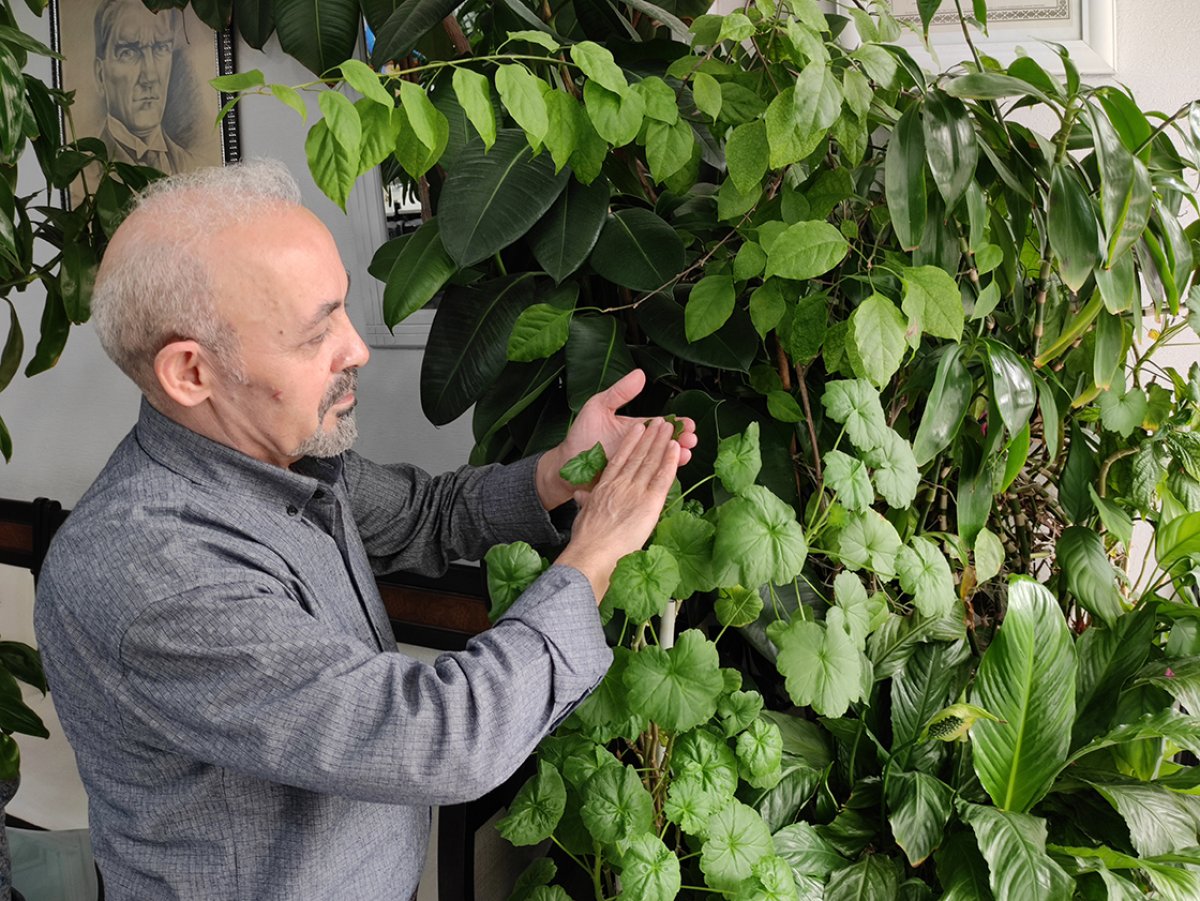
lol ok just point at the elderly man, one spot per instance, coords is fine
(135, 49)
(218, 652)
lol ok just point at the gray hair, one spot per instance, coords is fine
(160, 287)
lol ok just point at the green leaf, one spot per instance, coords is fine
(758, 540)
(877, 336)
(291, 97)
(989, 556)
(919, 806)
(606, 714)
(493, 198)
(1012, 386)
(932, 302)
(805, 250)
(381, 128)
(365, 80)
(919, 691)
(1179, 539)
(749, 263)
(403, 27)
(534, 37)
(961, 869)
(950, 145)
(804, 337)
(565, 236)
(511, 568)
(737, 607)
(1159, 820)
(706, 93)
(537, 874)
(418, 271)
(847, 476)
(689, 540)
(649, 871)
(638, 250)
(904, 178)
(678, 689)
(737, 840)
(539, 331)
(896, 477)
(584, 467)
(709, 306)
(669, 148)
(873, 877)
(319, 35)
(992, 86)
(597, 357)
(617, 118)
(1091, 578)
(521, 93)
(566, 120)
(475, 97)
(661, 103)
(767, 306)
(946, 406)
(240, 81)
(1072, 227)
(806, 852)
(536, 809)
(1118, 284)
(642, 582)
(616, 806)
(598, 65)
(1026, 678)
(782, 406)
(760, 753)
(868, 540)
(1122, 410)
(747, 155)
(925, 574)
(818, 99)
(739, 460)
(855, 404)
(821, 667)
(1014, 846)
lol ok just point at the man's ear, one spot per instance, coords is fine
(184, 372)
(98, 71)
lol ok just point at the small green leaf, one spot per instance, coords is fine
(540, 330)
(291, 97)
(868, 540)
(877, 338)
(847, 477)
(536, 809)
(598, 65)
(855, 404)
(738, 606)
(896, 477)
(709, 306)
(1122, 410)
(821, 667)
(737, 840)
(365, 80)
(805, 250)
(642, 583)
(521, 93)
(925, 574)
(767, 306)
(739, 460)
(473, 91)
(617, 118)
(649, 871)
(782, 406)
(616, 806)
(1091, 578)
(989, 556)
(932, 302)
(238, 81)
(689, 539)
(585, 466)
(760, 754)
(511, 568)
(706, 93)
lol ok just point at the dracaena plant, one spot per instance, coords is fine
(882, 643)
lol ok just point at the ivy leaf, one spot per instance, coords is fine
(689, 539)
(511, 568)
(539, 331)
(649, 871)
(932, 301)
(822, 668)
(760, 754)
(896, 476)
(585, 466)
(877, 339)
(1122, 411)
(848, 477)
(758, 540)
(616, 806)
(642, 583)
(739, 460)
(855, 404)
(737, 840)
(925, 574)
(536, 809)
(677, 689)
(868, 540)
(1091, 578)
(738, 606)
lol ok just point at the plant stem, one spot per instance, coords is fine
(596, 872)
(1104, 467)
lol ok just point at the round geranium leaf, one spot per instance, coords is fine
(607, 713)
(679, 688)
(760, 753)
(847, 476)
(649, 871)
(758, 540)
(738, 606)
(737, 840)
(616, 806)
(690, 805)
(689, 539)
(642, 583)
(739, 460)
(855, 404)
(511, 568)
(868, 540)
(536, 809)
(822, 668)
(738, 710)
(896, 477)
(925, 574)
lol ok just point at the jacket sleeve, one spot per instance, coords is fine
(411, 521)
(237, 676)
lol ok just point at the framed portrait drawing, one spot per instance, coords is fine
(141, 82)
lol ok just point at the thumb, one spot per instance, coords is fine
(624, 390)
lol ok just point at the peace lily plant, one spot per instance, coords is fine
(882, 643)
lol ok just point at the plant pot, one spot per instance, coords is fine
(8, 788)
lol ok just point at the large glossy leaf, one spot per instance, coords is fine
(638, 250)
(1107, 659)
(1014, 846)
(950, 145)
(1178, 540)
(919, 806)
(467, 341)
(1159, 820)
(255, 20)
(597, 356)
(1091, 578)
(319, 33)
(419, 270)
(904, 178)
(732, 347)
(396, 37)
(1012, 386)
(1072, 227)
(1027, 679)
(494, 197)
(962, 870)
(874, 878)
(565, 236)
(921, 689)
(946, 406)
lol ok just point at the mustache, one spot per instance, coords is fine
(346, 383)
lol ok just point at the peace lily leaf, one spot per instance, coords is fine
(877, 337)
(584, 467)
(855, 404)
(738, 460)
(947, 404)
(1122, 410)
(961, 869)
(511, 568)
(822, 667)
(760, 753)
(536, 809)
(616, 806)
(738, 710)
(922, 686)
(607, 713)
(925, 574)
(738, 606)
(847, 476)
(1177, 540)
(473, 91)
(868, 540)
(1027, 678)
(677, 689)
(873, 877)
(932, 302)
(709, 306)
(540, 330)
(1159, 820)
(642, 583)
(989, 556)
(919, 806)
(806, 250)
(807, 852)
(758, 539)
(689, 539)
(896, 477)
(737, 839)
(1014, 846)
(954, 722)
(1179, 728)
(649, 871)
(1091, 578)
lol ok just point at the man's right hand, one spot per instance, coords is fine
(619, 512)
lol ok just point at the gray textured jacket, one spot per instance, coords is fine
(223, 666)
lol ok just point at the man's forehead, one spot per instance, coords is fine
(138, 26)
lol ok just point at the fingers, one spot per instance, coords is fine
(622, 391)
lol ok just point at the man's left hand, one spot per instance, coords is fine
(598, 421)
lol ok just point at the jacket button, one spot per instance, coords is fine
(292, 510)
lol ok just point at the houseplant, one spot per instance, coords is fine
(909, 328)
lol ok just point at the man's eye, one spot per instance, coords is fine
(126, 55)
(319, 338)
(162, 49)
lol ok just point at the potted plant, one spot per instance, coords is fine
(882, 643)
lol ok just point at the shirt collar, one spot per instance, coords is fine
(157, 141)
(211, 464)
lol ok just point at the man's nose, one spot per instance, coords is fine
(355, 352)
(147, 71)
